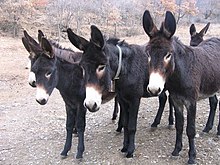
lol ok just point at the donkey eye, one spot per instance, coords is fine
(101, 68)
(148, 56)
(48, 74)
(83, 71)
(167, 57)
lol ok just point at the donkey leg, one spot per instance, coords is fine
(80, 125)
(120, 121)
(218, 131)
(74, 128)
(162, 102)
(69, 129)
(171, 118)
(179, 129)
(132, 125)
(213, 101)
(124, 115)
(115, 112)
(191, 131)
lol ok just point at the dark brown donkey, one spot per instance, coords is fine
(52, 72)
(188, 73)
(102, 60)
(196, 39)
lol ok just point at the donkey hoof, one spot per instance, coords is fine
(175, 153)
(79, 156)
(129, 155)
(174, 157)
(171, 127)
(206, 130)
(124, 149)
(154, 125)
(118, 130)
(114, 118)
(63, 156)
(191, 161)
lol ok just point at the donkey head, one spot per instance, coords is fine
(197, 38)
(159, 51)
(95, 64)
(43, 68)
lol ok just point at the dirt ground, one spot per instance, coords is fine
(35, 134)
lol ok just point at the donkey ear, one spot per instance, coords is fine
(40, 36)
(46, 46)
(169, 25)
(192, 30)
(26, 44)
(29, 38)
(77, 41)
(148, 24)
(97, 37)
(204, 30)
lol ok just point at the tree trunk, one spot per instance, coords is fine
(115, 31)
(58, 32)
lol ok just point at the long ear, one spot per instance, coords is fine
(29, 38)
(204, 30)
(26, 44)
(77, 41)
(46, 46)
(97, 37)
(148, 24)
(33, 49)
(40, 36)
(169, 25)
(192, 30)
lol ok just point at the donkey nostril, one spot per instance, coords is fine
(91, 108)
(148, 89)
(34, 83)
(94, 106)
(159, 90)
(42, 101)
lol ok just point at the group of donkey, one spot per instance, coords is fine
(112, 68)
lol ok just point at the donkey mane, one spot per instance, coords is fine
(181, 47)
(116, 41)
(66, 54)
(57, 45)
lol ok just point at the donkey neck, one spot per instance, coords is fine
(66, 54)
(116, 64)
(70, 80)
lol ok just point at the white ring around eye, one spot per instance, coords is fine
(101, 68)
(48, 74)
(167, 57)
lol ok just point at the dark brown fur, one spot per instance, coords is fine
(194, 74)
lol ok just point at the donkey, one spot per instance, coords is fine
(114, 65)
(196, 39)
(188, 73)
(73, 57)
(63, 53)
(52, 72)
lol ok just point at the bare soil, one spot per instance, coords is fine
(35, 134)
